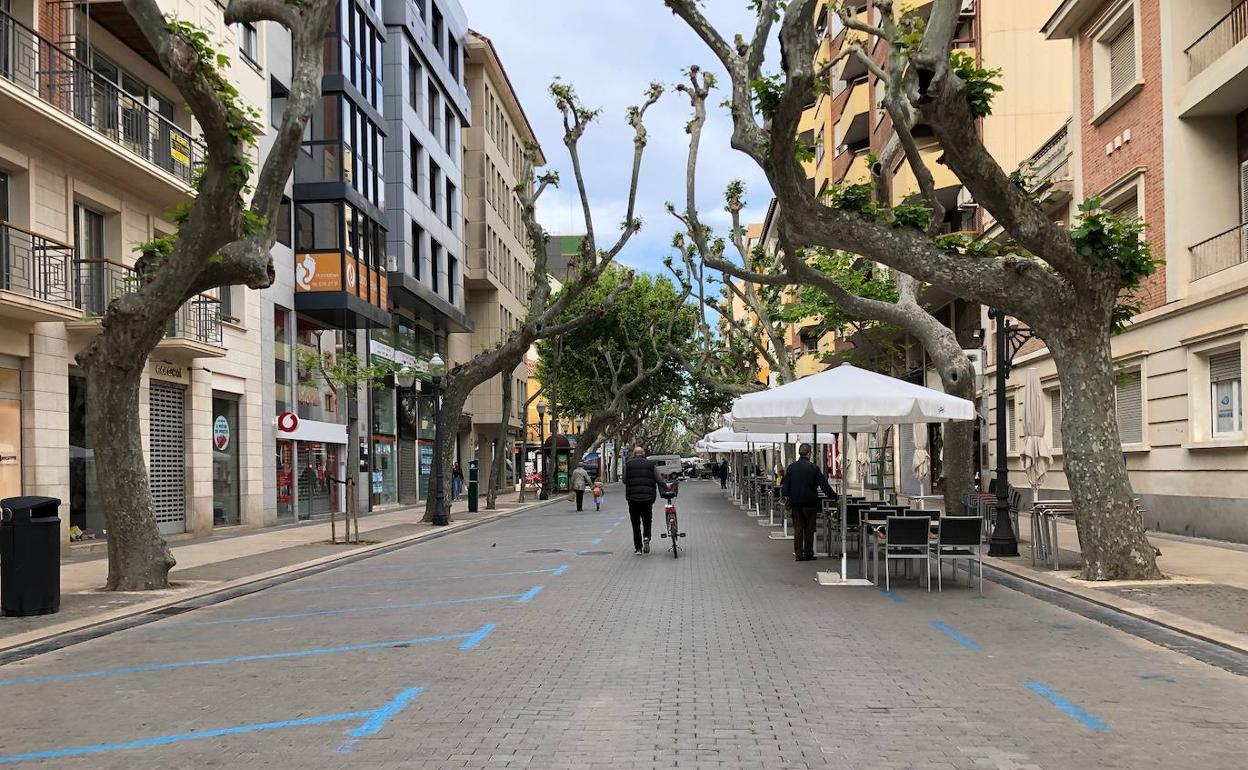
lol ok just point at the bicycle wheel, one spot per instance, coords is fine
(674, 534)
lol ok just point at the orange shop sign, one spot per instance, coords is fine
(318, 271)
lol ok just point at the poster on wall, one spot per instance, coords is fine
(426, 468)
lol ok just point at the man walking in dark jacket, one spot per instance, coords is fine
(641, 489)
(802, 482)
(722, 471)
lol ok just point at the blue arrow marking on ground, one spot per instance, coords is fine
(528, 595)
(959, 638)
(1066, 707)
(345, 611)
(375, 720)
(426, 578)
(562, 568)
(476, 637)
(472, 638)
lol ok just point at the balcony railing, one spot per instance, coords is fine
(1051, 163)
(35, 266)
(38, 66)
(1218, 39)
(1222, 251)
(100, 281)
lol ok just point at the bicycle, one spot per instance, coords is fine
(673, 532)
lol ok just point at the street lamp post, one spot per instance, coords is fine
(543, 492)
(437, 370)
(1009, 339)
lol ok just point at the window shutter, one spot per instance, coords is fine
(1243, 191)
(1224, 366)
(1128, 208)
(1122, 60)
(1055, 401)
(1129, 408)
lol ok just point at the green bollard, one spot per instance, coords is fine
(472, 486)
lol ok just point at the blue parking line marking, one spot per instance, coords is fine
(528, 595)
(384, 714)
(957, 637)
(562, 568)
(895, 598)
(422, 579)
(344, 611)
(478, 636)
(166, 740)
(1068, 708)
(596, 542)
(146, 668)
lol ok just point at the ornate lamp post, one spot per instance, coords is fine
(1010, 339)
(543, 491)
(437, 370)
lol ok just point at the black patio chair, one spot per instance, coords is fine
(907, 540)
(959, 538)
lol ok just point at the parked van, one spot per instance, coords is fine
(669, 466)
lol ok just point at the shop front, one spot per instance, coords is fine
(226, 506)
(10, 431)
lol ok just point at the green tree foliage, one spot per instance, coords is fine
(855, 275)
(636, 324)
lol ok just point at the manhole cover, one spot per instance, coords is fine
(545, 550)
(593, 553)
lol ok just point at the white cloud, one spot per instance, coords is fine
(610, 52)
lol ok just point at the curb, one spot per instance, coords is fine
(1196, 629)
(43, 640)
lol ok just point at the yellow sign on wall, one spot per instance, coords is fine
(180, 148)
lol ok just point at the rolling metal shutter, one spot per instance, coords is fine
(167, 467)
(409, 489)
(1122, 61)
(1129, 407)
(1055, 401)
(1224, 366)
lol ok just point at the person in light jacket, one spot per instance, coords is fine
(580, 483)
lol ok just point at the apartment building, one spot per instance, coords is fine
(1160, 130)
(426, 107)
(499, 267)
(95, 148)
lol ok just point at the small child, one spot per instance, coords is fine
(598, 493)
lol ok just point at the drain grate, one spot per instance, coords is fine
(175, 610)
(545, 550)
(593, 553)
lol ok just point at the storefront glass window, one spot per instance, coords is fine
(225, 475)
(285, 480)
(283, 366)
(318, 464)
(383, 411)
(385, 479)
(314, 344)
(84, 512)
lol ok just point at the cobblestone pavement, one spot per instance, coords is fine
(729, 657)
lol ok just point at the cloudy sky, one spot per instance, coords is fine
(610, 51)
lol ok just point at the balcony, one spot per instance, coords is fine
(71, 100)
(905, 184)
(36, 272)
(193, 332)
(852, 126)
(1225, 33)
(1221, 252)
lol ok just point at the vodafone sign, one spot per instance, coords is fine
(287, 422)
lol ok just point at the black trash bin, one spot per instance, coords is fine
(30, 556)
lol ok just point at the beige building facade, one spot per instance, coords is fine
(499, 265)
(95, 148)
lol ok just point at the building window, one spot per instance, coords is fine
(450, 129)
(452, 58)
(1129, 407)
(413, 150)
(1225, 392)
(1055, 416)
(415, 79)
(434, 111)
(452, 277)
(1116, 60)
(225, 294)
(435, 254)
(438, 31)
(284, 225)
(450, 205)
(435, 182)
(418, 256)
(421, 8)
(249, 42)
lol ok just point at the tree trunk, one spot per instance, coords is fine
(1111, 534)
(957, 376)
(498, 455)
(138, 558)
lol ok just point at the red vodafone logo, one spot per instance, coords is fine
(287, 422)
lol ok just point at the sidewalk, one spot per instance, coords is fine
(1206, 594)
(224, 561)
